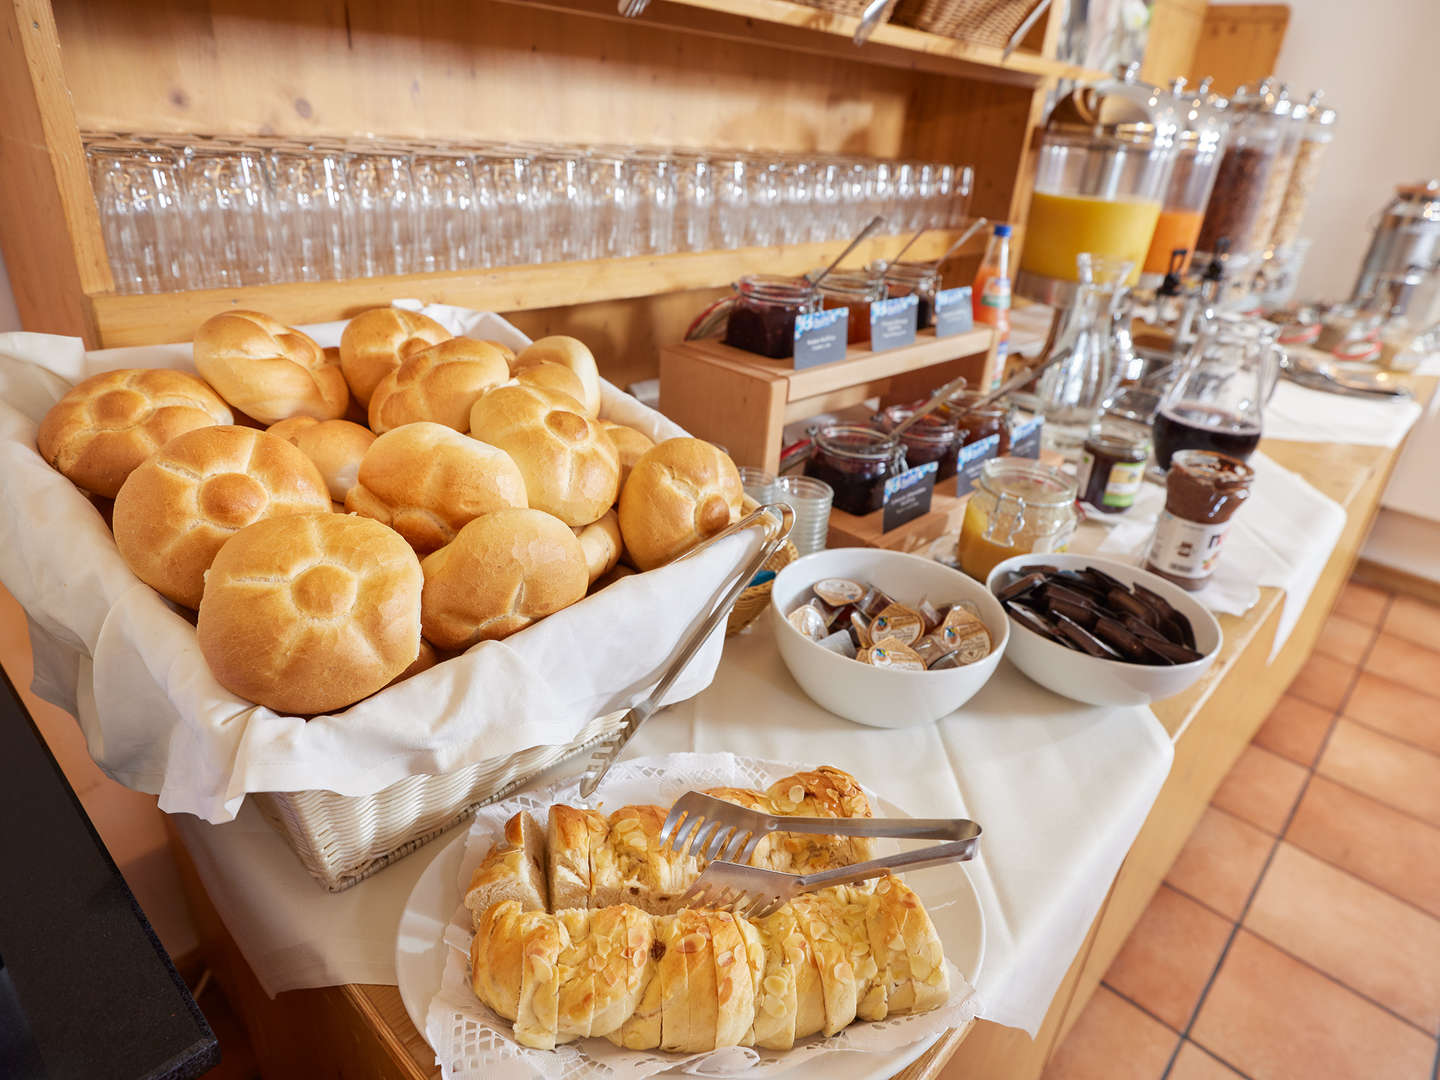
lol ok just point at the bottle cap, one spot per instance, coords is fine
(1002, 230)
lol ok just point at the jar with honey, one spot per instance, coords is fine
(1019, 506)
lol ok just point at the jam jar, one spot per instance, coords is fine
(762, 315)
(855, 461)
(1019, 506)
(1112, 464)
(922, 279)
(856, 290)
(977, 423)
(934, 437)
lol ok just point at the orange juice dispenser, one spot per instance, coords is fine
(1101, 172)
(1199, 146)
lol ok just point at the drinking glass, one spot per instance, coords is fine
(446, 225)
(140, 196)
(379, 210)
(502, 186)
(732, 203)
(826, 218)
(905, 215)
(610, 196)
(764, 193)
(758, 484)
(654, 182)
(810, 499)
(856, 196)
(229, 197)
(307, 229)
(694, 202)
(559, 210)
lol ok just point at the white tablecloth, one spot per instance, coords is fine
(1060, 788)
(1299, 414)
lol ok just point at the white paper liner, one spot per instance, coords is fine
(473, 1043)
(127, 664)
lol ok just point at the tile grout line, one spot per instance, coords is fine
(1270, 856)
(1391, 735)
(1180, 1039)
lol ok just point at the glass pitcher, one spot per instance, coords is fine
(1219, 399)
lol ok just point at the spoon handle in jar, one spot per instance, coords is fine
(975, 226)
(890, 265)
(874, 224)
(936, 400)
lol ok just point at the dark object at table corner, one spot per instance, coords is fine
(88, 991)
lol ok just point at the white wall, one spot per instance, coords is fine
(1375, 60)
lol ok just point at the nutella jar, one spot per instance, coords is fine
(1203, 490)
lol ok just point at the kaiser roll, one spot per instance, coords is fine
(108, 424)
(376, 342)
(552, 376)
(310, 613)
(602, 544)
(335, 446)
(630, 443)
(573, 354)
(427, 480)
(501, 573)
(439, 383)
(679, 493)
(174, 511)
(570, 464)
(268, 370)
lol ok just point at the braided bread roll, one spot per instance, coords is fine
(106, 425)
(440, 384)
(268, 370)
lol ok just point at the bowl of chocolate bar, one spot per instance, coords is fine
(884, 638)
(1100, 631)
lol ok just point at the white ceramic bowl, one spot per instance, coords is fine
(1107, 682)
(871, 695)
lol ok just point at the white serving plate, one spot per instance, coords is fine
(875, 696)
(1086, 678)
(948, 895)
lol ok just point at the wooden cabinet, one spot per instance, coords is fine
(761, 74)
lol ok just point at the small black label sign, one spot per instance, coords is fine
(971, 460)
(1025, 437)
(893, 322)
(820, 337)
(954, 313)
(907, 496)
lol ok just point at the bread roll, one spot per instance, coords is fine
(427, 481)
(514, 869)
(375, 343)
(108, 424)
(538, 1013)
(268, 370)
(426, 659)
(734, 986)
(821, 920)
(175, 511)
(310, 613)
(440, 383)
(601, 541)
(679, 493)
(570, 464)
(570, 835)
(571, 353)
(630, 444)
(335, 446)
(553, 376)
(501, 573)
(823, 792)
(601, 967)
(495, 955)
(689, 1012)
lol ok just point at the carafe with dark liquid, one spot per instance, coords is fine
(1218, 402)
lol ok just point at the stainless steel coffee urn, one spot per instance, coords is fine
(1404, 253)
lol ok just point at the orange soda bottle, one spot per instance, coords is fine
(990, 295)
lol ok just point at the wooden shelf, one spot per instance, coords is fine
(802, 28)
(141, 320)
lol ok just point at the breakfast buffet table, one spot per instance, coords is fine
(1068, 795)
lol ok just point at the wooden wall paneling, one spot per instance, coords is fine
(51, 236)
(1239, 44)
(1175, 27)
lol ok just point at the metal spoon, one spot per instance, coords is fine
(874, 14)
(942, 395)
(874, 224)
(975, 226)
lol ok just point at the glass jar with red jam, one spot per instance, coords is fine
(934, 437)
(922, 279)
(855, 461)
(978, 422)
(856, 290)
(762, 316)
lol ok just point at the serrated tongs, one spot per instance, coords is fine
(727, 834)
(775, 520)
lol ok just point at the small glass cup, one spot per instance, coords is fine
(758, 484)
(811, 500)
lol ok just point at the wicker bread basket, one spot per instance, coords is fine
(343, 839)
(756, 598)
(984, 22)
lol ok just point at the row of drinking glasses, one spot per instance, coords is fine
(184, 212)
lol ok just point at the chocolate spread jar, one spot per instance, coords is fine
(1202, 492)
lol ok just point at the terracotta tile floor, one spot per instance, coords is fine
(1297, 936)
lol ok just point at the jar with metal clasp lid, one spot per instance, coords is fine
(855, 461)
(762, 313)
(1018, 506)
(920, 278)
(855, 290)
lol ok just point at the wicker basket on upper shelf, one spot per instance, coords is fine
(982, 22)
(853, 8)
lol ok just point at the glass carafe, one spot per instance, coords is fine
(1069, 393)
(1218, 401)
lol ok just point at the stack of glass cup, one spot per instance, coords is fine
(186, 212)
(810, 499)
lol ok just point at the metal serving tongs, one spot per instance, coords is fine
(711, 828)
(776, 520)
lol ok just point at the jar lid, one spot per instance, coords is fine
(1030, 481)
(774, 288)
(1121, 108)
(1264, 100)
(852, 440)
(1313, 112)
(1204, 116)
